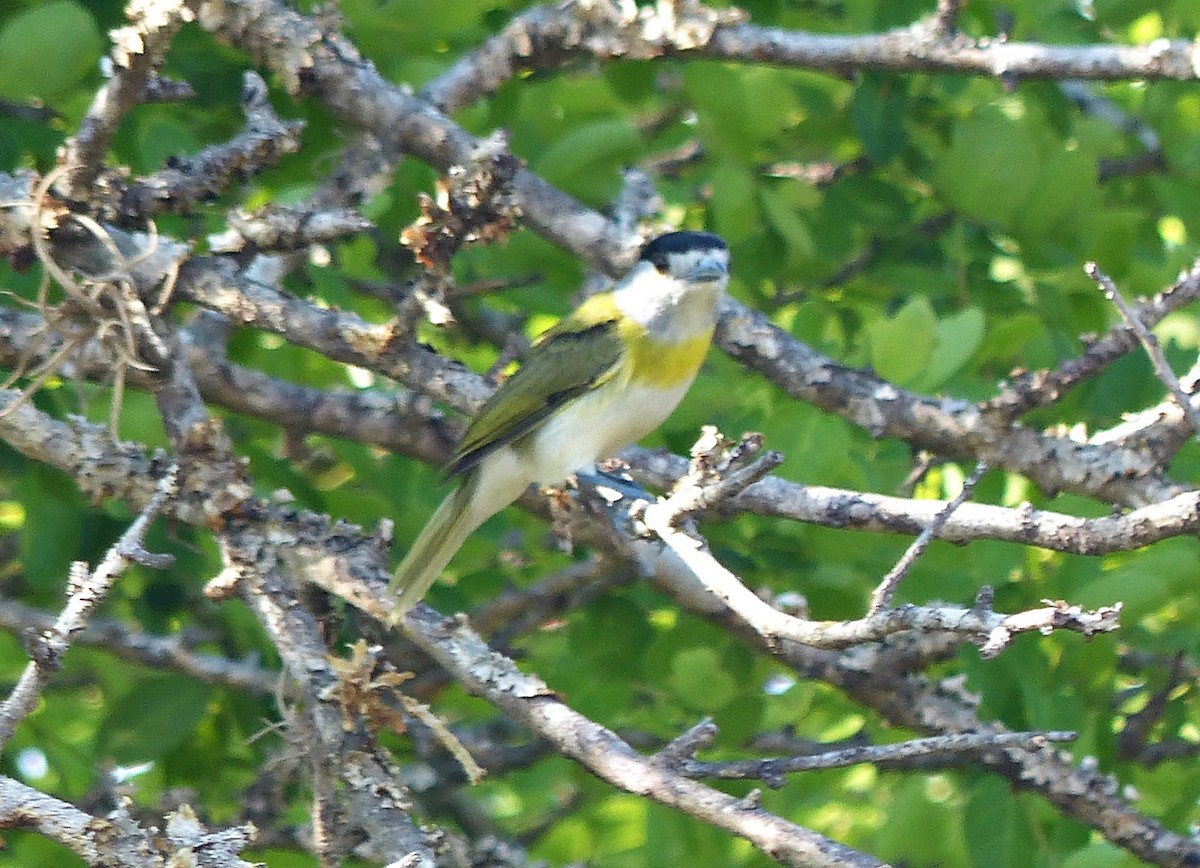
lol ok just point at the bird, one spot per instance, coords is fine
(600, 379)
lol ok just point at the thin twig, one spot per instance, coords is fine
(175, 652)
(882, 596)
(956, 745)
(1149, 342)
(85, 595)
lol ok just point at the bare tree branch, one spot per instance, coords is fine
(545, 37)
(1150, 343)
(165, 652)
(185, 183)
(1029, 390)
(881, 597)
(935, 750)
(84, 592)
(946, 427)
(527, 699)
(118, 839)
(920, 49)
(687, 568)
(138, 52)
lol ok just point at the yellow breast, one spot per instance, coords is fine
(663, 363)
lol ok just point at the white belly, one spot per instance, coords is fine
(592, 427)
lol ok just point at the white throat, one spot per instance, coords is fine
(667, 307)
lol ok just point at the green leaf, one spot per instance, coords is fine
(720, 100)
(155, 716)
(734, 208)
(589, 157)
(772, 107)
(47, 50)
(50, 539)
(1119, 13)
(906, 836)
(699, 681)
(986, 171)
(610, 616)
(1066, 189)
(1006, 339)
(569, 840)
(399, 27)
(988, 823)
(1145, 584)
(1100, 854)
(1112, 234)
(878, 111)
(901, 346)
(162, 138)
(784, 220)
(620, 823)
(29, 848)
(958, 337)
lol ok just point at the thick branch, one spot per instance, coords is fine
(406, 423)
(547, 37)
(526, 699)
(368, 781)
(688, 569)
(218, 284)
(918, 49)
(841, 508)
(946, 427)
(118, 840)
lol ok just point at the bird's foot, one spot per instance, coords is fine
(611, 485)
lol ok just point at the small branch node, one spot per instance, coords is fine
(685, 745)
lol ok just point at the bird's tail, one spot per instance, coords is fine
(441, 537)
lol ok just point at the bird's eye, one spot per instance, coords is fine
(661, 262)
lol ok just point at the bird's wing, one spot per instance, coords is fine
(573, 357)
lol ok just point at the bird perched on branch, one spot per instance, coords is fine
(595, 382)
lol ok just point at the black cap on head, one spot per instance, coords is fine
(656, 250)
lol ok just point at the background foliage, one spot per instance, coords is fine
(947, 251)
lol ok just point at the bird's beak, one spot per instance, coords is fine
(709, 268)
